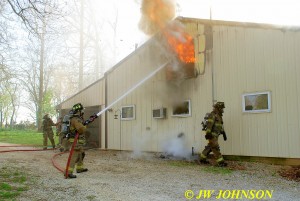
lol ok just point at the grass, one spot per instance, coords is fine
(24, 137)
(13, 183)
(91, 197)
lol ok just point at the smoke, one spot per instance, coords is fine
(139, 144)
(177, 45)
(156, 14)
(176, 147)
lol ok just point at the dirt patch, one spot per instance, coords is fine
(290, 173)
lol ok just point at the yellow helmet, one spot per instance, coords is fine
(77, 108)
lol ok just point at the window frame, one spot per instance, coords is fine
(133, 112)
(184, 114)
(263, 110)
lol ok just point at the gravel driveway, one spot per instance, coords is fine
(115, 175)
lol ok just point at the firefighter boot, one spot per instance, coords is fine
(222, 164)
(72, 176)
(204, 161)
(81, 170)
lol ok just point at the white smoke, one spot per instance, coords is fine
(177, 147)
(139, 144)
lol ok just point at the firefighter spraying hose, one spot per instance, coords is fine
(77, 111)
(78, 126)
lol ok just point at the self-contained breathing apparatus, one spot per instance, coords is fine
(204, 122)
(67, 120)
(65, 128)
(204, 128)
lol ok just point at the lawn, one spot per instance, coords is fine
(24, 137)
(13, 182)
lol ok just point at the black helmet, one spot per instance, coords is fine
(77, 108)
(219, 105)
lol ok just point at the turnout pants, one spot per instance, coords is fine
(212, 146)
(47, 135)
(77, 159)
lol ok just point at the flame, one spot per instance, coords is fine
(157, 16)
(182, 45)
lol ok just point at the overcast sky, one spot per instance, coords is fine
(279, 12)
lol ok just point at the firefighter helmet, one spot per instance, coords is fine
(219, 105)
(77, 108)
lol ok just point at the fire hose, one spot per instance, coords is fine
(16, 150)
(24, 150)
(70, 155)
(86, 122)
(94, 116)
(90, 120)
(55, 164)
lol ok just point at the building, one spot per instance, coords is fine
(253, 68)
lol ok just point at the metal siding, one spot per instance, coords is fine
(243, 60)
(253, 60)
(133, 71)
(145, 132)
(92, 96)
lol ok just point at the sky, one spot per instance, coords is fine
(278, 12)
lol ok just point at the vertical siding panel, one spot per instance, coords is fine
(232, 123)
(297, 70)
(261, 134)
(235, 125)
(272, 140)
(252, 141)
(291, 88)
(281, 94)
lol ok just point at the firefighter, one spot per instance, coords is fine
(76, 125)
(213, 130)
(47, 131)
(58, 131)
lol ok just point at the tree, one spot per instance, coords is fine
(35, 15)
(9, 102)
(31, 11)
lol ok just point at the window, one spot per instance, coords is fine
(182, 110)
(128, 112)
(257, 102)
(160, 113)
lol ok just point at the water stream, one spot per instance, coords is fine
(132, 89)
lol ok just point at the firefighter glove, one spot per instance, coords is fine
(224, 135)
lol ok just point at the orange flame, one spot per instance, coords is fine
(157, 16)
(183, 46)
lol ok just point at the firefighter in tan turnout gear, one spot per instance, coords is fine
(47, 131)
(76, 125)
(214, 128)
